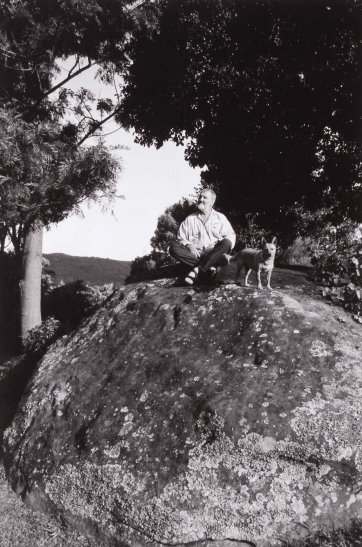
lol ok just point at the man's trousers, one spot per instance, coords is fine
(206, 261)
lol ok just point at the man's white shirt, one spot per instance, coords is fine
(205, 236)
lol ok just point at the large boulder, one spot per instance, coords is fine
(174, 415)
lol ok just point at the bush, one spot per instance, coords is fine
(166, 231)
(251, 233)
(336, 256)
(142, 265)
(72, 302)
(39, 338)
(297, 253)
(65, 305)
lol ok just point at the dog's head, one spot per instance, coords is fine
(269, 249)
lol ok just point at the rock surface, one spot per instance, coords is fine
(175, 415)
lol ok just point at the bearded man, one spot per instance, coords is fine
(203, 238)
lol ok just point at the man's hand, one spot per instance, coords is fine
(194, 251)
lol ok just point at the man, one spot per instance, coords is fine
(203, 238)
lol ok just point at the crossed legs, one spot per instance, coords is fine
(209, 260)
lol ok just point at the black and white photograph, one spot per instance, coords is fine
(180, 273)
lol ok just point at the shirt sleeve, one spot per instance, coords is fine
(227, 231)
(184, 234)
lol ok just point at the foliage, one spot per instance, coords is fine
(305, 222)
(35, 37)
(168, 224)
(166, 231)
(72, 302)
(336, 256)
(45, 173)
(39, 338)
(264, 94)
(47, 283)
(249, 234)
(144, 264)
(43, 177)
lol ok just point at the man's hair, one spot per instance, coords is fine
(212, 192)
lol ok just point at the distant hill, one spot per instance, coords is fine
(96, 271)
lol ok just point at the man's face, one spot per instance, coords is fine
(206, 201)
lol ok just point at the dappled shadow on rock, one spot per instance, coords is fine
(13, 381)
(163, 272)
(175, 415)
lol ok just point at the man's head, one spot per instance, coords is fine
(206, 200)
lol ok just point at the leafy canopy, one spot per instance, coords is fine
(45, 173)
(36, 35)
(265, 94)
(44, 177)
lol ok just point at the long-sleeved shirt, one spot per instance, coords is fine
(205, 236)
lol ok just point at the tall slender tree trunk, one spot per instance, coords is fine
(30, 284)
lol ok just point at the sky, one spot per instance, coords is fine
(150, 181)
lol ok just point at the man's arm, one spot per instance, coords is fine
(184, 233)
(227, 231)
(186, 237)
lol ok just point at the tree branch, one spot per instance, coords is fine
(75, 64)
(91, 132)
(68, 78)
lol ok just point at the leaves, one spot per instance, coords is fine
(45, 176)
(252, 88)
(105, 106)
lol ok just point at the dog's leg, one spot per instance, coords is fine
(268, 279)
(247, 277)
(259, 279)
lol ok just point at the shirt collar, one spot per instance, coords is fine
(211, 213)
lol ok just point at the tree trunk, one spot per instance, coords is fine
(30, 285)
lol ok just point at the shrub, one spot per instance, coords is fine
(336, 256)
(250, 234)
(72, 302)
(142, 265)
(166, 231)
(39, 338)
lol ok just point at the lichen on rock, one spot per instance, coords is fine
(173, 416)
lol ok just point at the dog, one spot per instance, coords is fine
(254, 259)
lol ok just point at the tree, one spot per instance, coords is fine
(34, 36)
(43, 178)
(166, 231)
(252, 88)
(169, 222)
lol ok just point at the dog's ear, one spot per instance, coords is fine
(262, 242)
(274, 240)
